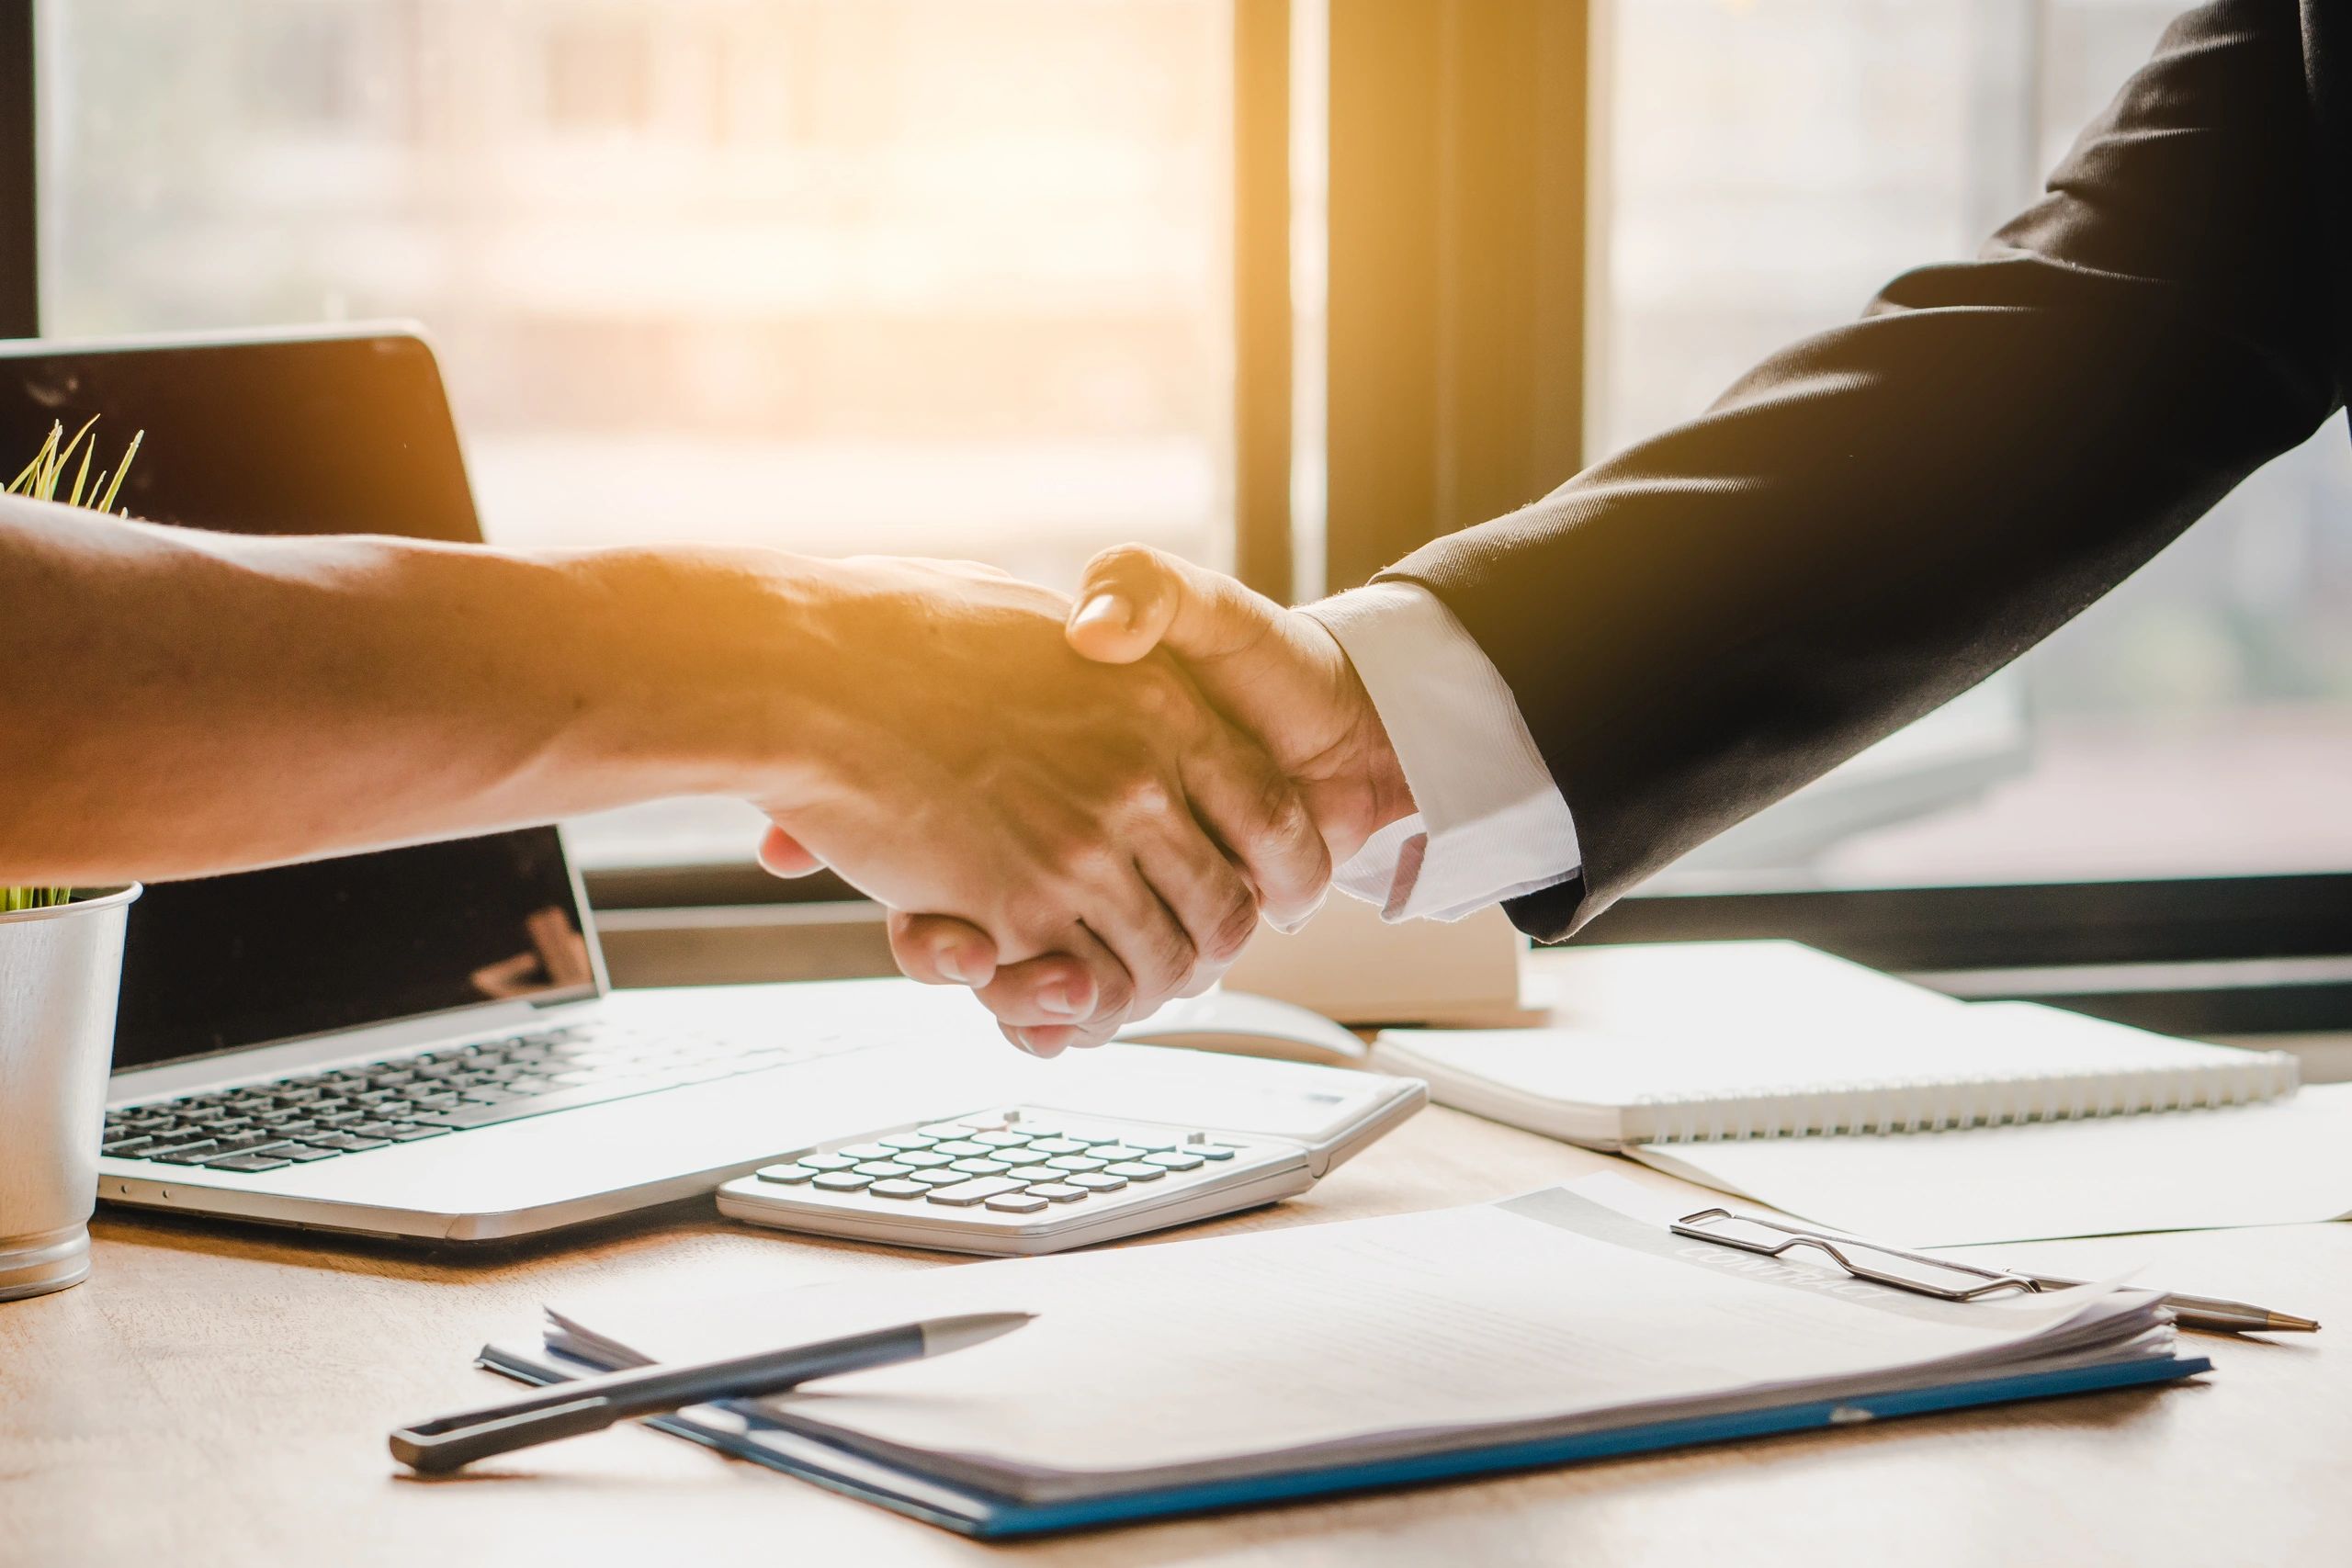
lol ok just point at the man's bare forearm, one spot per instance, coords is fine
(179, 702)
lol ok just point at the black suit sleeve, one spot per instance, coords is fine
(1876, 519)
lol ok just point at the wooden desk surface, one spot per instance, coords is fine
(217, 1395)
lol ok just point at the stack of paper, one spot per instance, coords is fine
(2286, 1163)
(1204, 1373)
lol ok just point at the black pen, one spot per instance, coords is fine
(590, 1404)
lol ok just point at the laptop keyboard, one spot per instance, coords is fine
(431, 1094)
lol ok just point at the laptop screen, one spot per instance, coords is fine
(345, 434)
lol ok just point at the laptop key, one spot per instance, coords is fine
(237, 1142)
(409, 1132)
(303, 1153)
(187, 1154)
(515, 1107)
(344, 1142)
(125, 1146)
(248, 1162)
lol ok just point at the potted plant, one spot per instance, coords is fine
(61, 969)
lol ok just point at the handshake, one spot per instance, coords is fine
(1080, 809)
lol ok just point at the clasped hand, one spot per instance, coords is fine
(1061, 813)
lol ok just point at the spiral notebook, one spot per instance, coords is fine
(1690, 1042)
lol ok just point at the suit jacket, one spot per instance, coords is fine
(1874, 520)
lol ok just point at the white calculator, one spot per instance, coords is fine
(1031, 1179)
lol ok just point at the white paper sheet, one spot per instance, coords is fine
(1189, 1354)
(2285, 1163)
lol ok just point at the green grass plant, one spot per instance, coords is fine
(39, 480)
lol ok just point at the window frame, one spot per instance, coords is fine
(1459, 144)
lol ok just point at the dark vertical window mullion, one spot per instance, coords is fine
(20, 216)
(1261, 300)
(1456, 289)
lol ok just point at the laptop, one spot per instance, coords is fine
(420, 1041)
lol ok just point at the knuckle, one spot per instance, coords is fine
(1235, 926)
(1172, 954)
(1155, 698)
(1127, 560)
(1114, 993)
(1149, 796)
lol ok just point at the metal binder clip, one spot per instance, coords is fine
(1864, 1260)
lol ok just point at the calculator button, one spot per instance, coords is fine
(1035, 1173)
(1098, 1182)
(898, 1188)
(881, 1167)
(842, 1180)
(1080, 1135)
(947, 1130)
(961, 1148)
(1136, 1170)
(1027, 1123)
(963, 1195)
(1016, 1204)
(1077, 1162)
(1175, 1159)
(1059, 1191)
(904, 1141)
(865, 1151)
(922, 1161)
(788, 1174)
(939, 1178)
(1116, 1152)
(826, 1162)
(1057, 1146)
(980, 1167)
(1005, 1140)
(1215, 1151)
(1152, 1145)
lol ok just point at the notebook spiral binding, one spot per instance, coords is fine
(1923, 1105)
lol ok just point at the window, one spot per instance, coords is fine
(1764, 169)
(922, 276)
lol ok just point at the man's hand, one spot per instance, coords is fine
(974, 767)
(1276, 673)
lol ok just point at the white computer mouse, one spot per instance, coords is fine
(1247, 1025)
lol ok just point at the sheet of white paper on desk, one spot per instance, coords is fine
(1207, 1358)
(2285, 1163)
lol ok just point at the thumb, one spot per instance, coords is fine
(1136, 597)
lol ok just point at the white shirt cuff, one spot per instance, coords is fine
(1491, 824)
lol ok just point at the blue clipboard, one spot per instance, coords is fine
(991, 1516)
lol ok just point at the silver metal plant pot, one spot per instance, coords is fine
(60, 971)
